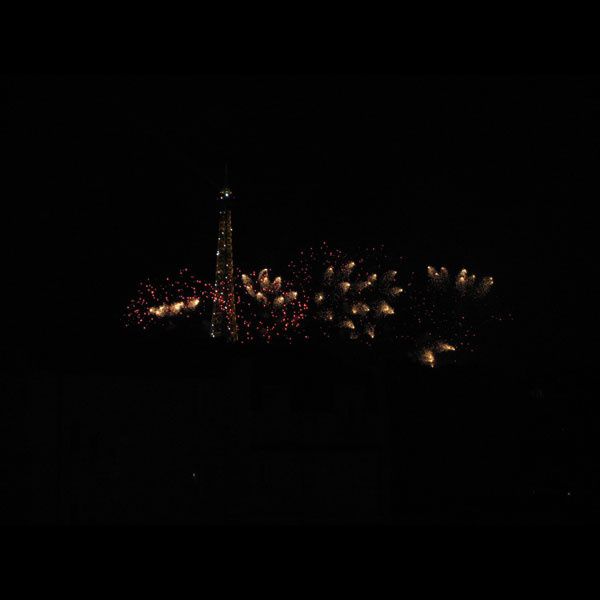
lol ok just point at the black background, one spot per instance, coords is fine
(110, 179)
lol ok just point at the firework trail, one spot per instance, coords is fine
(347, 297)
(166, 301)
(268, 310)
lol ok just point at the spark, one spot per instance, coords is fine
(385, 309)
(428, 357)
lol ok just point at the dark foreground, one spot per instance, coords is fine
(298, 437)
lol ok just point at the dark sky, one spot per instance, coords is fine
(111, 179)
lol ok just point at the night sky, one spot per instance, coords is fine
(113, 179)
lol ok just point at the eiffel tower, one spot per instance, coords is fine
(223, 323)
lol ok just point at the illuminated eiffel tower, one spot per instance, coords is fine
(223, 323)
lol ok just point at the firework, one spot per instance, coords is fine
(167, 300)
(427, 355)
(332, 294)
(269, 309)
(349, 296)
(464, 283)
(445, 307)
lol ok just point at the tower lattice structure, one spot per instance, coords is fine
(223, 323)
